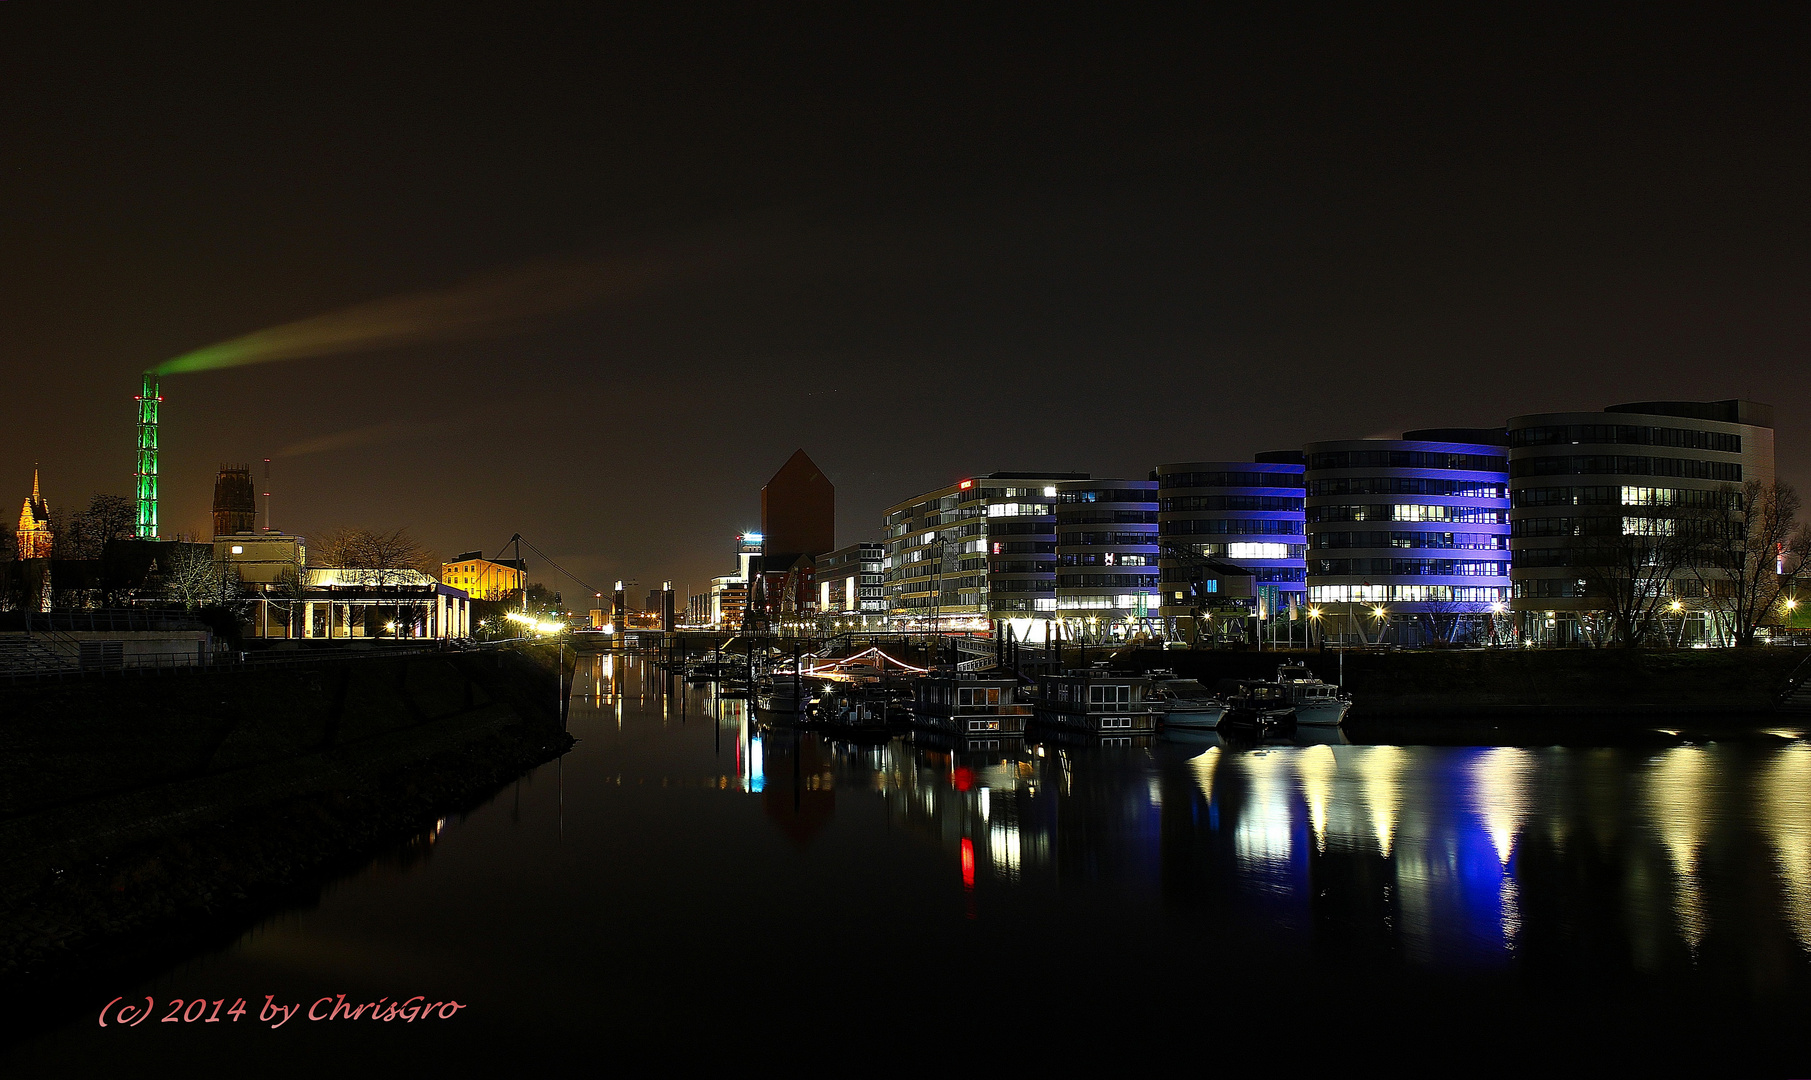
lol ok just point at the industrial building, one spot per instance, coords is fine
(235, 501)
(798, 523)
(485, 579)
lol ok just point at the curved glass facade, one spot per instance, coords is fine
(1106, 558)
(1248, 513)
(1576, 479)
(1408, 539)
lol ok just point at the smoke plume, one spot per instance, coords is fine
(497, 302)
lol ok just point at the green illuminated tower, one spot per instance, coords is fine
(147, 459)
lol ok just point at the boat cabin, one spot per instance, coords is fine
(1099, 702)
(967, 704)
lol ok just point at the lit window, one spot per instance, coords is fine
(238, 550)
(1257, 551)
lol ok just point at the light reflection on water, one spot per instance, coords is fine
(1441, 837)
(682, 836)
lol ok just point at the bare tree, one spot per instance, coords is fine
(1752, 550)
(380, 559)
(108, 517)
(194, 579)
(1627, 564)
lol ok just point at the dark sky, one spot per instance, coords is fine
(918, 242)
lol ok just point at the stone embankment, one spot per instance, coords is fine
(1540, 685)
(134, 809)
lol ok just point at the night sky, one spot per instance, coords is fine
(918, 242)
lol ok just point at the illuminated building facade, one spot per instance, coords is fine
(262, 559)
(975, 553)
(727, 602)
(1246, 513)
(1107, 577)
(485, 579)
(1408, 539)
(1629, 470)
(359, 604)
(851, 586)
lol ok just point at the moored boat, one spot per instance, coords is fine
(1313, 703)
(965, 704)
(1185, 703)
(1098, 702)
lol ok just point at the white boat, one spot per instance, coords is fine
(1315, 703)
(1185, 703)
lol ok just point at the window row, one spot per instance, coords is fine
(1407, 594)
(1248, 549)
(1439, 540)
(1626, 495)
(1182, 504)
(1230, 479)
(1620, 465)
(1106, 581)
(1121, 517)
(1111, 495)
(1408, 567)
(1405, 459)
(1107, 539)
(1407, 512)
(1234, 526)
(1627, 433)
(1107, 558)
(1407, 485)
(1018, 509)
(1121, 601)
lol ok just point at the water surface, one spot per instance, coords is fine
(681, 888)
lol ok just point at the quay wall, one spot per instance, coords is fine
(1543, 684)
(133, 805)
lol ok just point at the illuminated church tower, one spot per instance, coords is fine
(34, 524)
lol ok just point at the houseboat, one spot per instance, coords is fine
(1098, 702)
(967, 704)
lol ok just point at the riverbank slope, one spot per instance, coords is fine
(134, 808)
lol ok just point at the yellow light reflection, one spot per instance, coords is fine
(1380, 777)
(1500, 790)
(1204, 765)
(1786, 815)
(1678, 793)
(1316, 767)
(1263, 838)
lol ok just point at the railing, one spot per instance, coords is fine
(111, 619)
(1795, 682)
